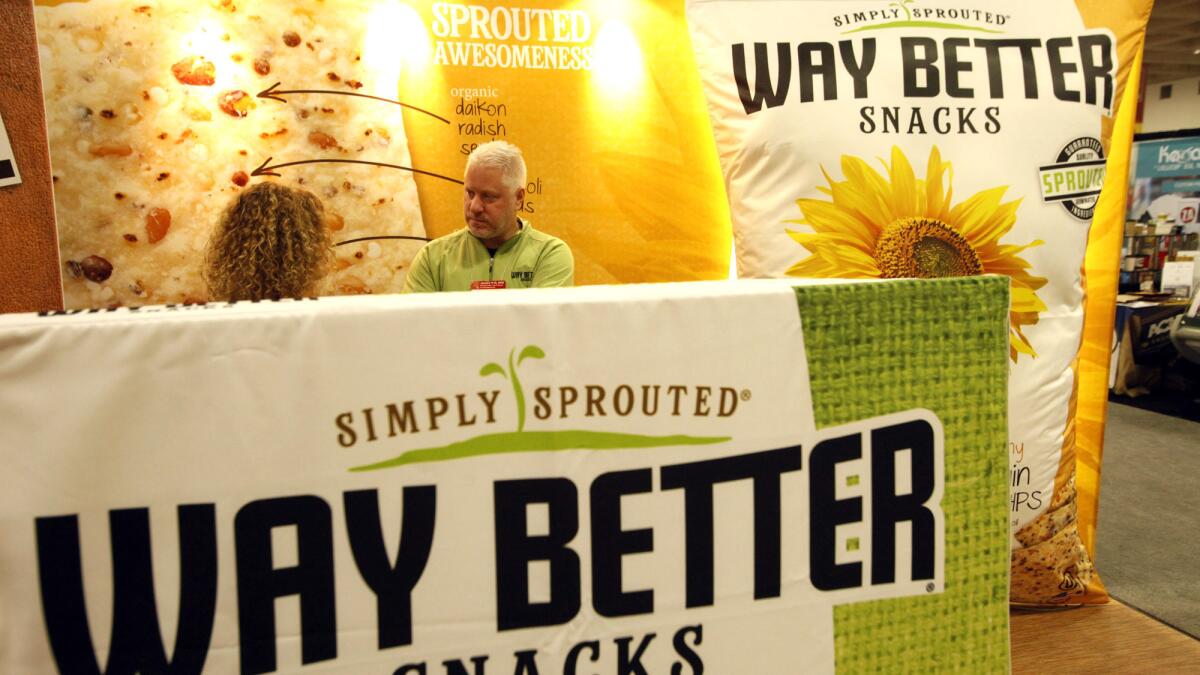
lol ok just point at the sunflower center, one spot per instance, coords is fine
(924, 248)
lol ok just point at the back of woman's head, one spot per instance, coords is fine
(270, 243)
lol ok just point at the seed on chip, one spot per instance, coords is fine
(195, 70)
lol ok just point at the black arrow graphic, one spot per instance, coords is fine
(275, 95)
(382, 236)
(264, 170)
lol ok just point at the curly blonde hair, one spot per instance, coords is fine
(271, 243)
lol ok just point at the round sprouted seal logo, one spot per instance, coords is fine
(1075, 178)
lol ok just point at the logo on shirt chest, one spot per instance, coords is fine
(523, 275)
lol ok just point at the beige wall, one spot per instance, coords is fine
(1181, 111)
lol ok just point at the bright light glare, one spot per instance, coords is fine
(396, 39)
(617, 58)
(206, 41)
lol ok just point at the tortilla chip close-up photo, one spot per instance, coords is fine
(155, 127)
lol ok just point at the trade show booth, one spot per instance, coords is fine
(828, 393)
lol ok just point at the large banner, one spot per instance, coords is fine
(161, 112)
(725, 478)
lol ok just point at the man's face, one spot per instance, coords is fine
(490, 206)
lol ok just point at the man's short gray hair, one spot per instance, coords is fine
(504, 156)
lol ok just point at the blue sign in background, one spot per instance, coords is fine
(1161, 159)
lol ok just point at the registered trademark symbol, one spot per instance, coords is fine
(745, 394)
(929, 588)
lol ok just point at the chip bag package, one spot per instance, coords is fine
(919, 138)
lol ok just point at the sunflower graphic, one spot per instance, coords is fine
(898, 226)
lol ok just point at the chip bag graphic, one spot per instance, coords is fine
(931, 139)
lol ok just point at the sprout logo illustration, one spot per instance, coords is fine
(530, 351)
(906, 16)
(534, 441)
(903, 6)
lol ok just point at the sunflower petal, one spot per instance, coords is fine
(933, 184)
(1022, 278)
(904, 186)
(811, 266)
(996, 252)
(1019, 344)
(1018, 276)
(832, 218)
(861, 205)
(828, 179)
(1012, 266)
(998, 223)
(971, 215)
(817, 266)
(1020, 319)
(838, 251)
(944, 216)
(1017, 322)
(1029, 281)
(1024, 299)
(864, 190)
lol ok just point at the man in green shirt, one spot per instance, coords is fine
(496, 249)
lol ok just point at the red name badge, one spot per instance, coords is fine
(481, 285)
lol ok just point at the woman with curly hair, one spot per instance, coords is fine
(271, 243)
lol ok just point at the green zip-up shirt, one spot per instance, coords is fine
(531, 259)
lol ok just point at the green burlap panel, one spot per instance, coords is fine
(875, 349)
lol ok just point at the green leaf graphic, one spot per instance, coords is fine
(518, 393)
(922, 24)
(903, 5)
(531, 352)
(492, 369)
(538, 441)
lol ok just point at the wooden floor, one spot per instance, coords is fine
(1108, 638)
